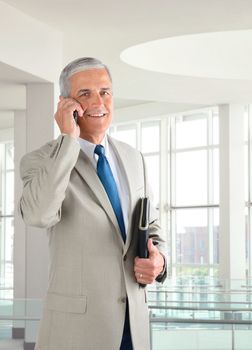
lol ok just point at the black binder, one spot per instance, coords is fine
(143, 227)
(141, 218)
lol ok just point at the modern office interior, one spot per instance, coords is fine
(182, 86)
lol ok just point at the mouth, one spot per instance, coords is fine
(96, 115)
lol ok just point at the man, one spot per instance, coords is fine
(85, 199)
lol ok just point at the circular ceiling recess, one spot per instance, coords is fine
(220, 55)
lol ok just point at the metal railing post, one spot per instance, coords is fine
(151, 336)
(233, 340)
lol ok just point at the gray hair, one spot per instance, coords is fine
(78, 65)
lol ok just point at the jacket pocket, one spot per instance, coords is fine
(65, 303)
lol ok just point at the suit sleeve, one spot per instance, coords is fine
(45, 174)
(158, 241)
(155, 231)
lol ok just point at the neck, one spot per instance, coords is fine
(96, 139)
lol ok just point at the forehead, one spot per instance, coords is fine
(95, 77)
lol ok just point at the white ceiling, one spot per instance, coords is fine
(220, 55)
(11, 75)
(105, 28)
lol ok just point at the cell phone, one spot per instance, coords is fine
(75, 116)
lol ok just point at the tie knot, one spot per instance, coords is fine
(99, 149)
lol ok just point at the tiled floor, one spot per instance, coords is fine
(11, 344)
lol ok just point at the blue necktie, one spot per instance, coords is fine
(105, 175)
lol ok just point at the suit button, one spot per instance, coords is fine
(123, 300)
(125, 258)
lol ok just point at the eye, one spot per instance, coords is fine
(84, 94)
(105, 92)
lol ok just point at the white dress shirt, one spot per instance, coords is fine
(118, 173)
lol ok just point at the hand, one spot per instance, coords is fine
(147, 270)
(64, 116)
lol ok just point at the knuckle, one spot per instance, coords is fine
(153, 275)
(152, 265)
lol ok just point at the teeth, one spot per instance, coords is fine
(96, 115)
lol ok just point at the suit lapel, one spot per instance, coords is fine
(86, 170)
(125, 164)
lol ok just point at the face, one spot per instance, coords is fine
(92, 88)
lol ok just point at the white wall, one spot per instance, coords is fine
(13, 97)
(28, 44)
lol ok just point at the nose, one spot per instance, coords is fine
(96, 99)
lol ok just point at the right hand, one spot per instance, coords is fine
(64, 116)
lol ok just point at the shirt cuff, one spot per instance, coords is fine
(163, 274)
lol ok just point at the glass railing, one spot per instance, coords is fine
(19, 319)
(184, 315)
(201, 314)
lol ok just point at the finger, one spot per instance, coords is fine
(139, 277)
(143, 263)
(69, 105)
(145, 272)
(143, 279)
(75, 106)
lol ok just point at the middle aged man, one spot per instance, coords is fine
(83, 187)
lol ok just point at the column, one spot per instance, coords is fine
(232, 209)
(39, 129)
(19, 228)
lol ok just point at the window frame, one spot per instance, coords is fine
(166, 169)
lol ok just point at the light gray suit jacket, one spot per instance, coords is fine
(91, 269)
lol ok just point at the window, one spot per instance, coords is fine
(144, 136)
(194, 193)
(248, 190)
(6, 217)
(182, 158)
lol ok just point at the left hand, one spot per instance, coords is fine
(147, 270)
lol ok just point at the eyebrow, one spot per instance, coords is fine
(81, 91)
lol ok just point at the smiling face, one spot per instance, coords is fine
(92, 88)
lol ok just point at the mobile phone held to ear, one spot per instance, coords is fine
(75, 116)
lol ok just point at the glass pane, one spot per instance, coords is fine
(6, 252)
(6, 179)
(216, 177)
(6, 333)
(216, 232)
(191, 132)
(192, 271)
(191, 178)
(150, 137)
(247, 250)
(127, 135)
(9, 190)
(152, 165)
(246, 194)
(2, 169)
(246, 123)
(9, 156)
(216, 130)
(192, 236)
(215, 272)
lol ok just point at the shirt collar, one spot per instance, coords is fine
(89, 147)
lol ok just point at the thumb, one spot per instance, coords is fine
(151, 248)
